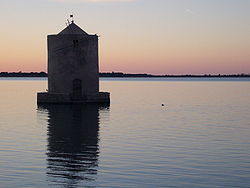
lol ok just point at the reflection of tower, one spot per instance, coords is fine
(72, 151)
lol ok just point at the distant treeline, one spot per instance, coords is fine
(120, 74)
(23, 74)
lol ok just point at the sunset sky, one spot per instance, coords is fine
(136, 36)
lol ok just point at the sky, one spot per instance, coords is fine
(136, 36)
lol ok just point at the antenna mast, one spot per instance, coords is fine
(72, 18)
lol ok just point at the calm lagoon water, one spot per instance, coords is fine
(199, 138)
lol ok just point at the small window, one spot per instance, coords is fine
(75, 43)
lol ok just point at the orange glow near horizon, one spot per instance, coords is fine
(174, 57)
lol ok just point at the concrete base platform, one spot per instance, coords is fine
(60, 98)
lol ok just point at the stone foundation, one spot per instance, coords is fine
(60, 98)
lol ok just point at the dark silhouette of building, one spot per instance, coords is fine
(73, 68)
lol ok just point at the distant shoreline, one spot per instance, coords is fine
(125, 75)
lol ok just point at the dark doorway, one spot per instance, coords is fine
(77, 89)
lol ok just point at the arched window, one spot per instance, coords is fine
(77, 89)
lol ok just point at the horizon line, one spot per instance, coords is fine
(121, 74)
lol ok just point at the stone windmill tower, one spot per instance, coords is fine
(73, 68)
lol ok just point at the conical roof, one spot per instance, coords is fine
(74, 29)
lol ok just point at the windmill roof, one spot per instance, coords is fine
(74, 29)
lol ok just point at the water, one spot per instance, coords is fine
(199, 138)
